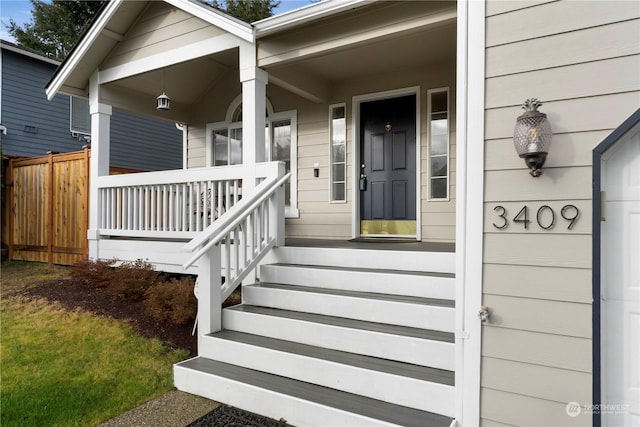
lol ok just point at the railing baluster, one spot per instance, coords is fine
(227, 263)
(236, 244)
(169, 206)
(183, 202)
(199, 206)
(191, 206)
(219, 200)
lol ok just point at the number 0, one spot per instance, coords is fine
(540, 214)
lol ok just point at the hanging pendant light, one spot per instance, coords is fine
(164, 102)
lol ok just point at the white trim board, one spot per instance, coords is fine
(469, 207)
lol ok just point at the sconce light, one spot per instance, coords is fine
(164, 102)
(532, 136)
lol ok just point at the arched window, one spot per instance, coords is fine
(224, 144)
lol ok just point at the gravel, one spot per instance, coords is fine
(174, 409)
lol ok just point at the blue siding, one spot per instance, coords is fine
(36, 125)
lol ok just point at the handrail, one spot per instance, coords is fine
(232, 218)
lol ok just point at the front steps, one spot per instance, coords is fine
(336, 337)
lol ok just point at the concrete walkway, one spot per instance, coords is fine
(174, 409)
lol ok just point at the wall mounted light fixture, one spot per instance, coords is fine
(532, 136)
(164, 102)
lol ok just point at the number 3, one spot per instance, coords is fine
(502, 215)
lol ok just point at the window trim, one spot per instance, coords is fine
(430, 178)
(291, 211)
(331, 108)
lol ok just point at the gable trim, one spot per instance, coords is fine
(83, 46)
(226, 22)
(305, 15)
(234, 27)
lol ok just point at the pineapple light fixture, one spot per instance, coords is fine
(532, 136)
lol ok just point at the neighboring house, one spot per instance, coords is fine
(33, 125)
(409, 215)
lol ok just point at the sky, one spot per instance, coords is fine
(20, 11)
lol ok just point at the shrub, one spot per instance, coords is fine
(96, 273)
(132, 279)
(128, 280)
(172, 300)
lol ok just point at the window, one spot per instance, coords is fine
(224, 145)
(79, 115)
(438, 118)
(227, 146)
(338, 171)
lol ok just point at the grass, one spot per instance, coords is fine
(62, 368)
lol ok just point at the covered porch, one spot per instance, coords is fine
(272, 187)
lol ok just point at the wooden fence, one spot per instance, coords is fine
(46, 212)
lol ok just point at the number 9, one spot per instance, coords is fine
(571, 218)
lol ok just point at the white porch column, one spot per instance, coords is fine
(254, 93)
(99, 164)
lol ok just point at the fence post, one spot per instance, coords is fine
(209, 294)
(12, 210)
(85, 226)
(49, 224)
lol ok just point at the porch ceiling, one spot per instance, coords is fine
(413, 50)
(416, 50)
(185, 82)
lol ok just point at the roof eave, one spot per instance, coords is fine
(70, 63)
(305, 15)
(235, 27)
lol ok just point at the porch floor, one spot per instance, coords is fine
(373, 244)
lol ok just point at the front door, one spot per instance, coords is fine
(388, 167)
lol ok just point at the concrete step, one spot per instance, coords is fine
(435, 314)
(300, 403)
(401, 343)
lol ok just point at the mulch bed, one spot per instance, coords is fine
(75, 294)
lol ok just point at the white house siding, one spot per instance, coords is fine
(159, 28)
(582, 60)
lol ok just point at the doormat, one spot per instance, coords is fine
(228, 416)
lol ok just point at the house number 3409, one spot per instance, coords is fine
(545, 217)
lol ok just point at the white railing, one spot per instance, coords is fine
(167, 204)
(245, 232)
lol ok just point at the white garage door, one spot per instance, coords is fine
(620, 281)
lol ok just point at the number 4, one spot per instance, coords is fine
(524, 212)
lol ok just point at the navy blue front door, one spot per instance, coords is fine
(388, 163)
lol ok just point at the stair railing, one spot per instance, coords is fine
(234, 244)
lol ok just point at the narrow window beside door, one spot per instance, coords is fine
(438, 117)
(338, 170)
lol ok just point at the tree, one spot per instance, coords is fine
(247, 10)
(55, 26)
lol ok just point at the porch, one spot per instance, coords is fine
(334, 329)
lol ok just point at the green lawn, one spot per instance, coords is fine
(62, 368)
